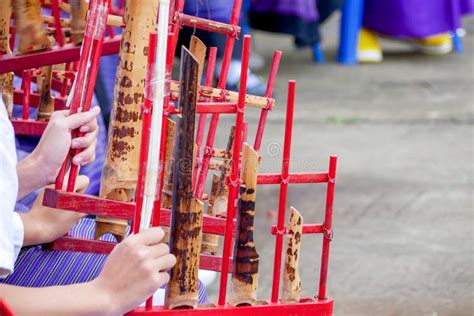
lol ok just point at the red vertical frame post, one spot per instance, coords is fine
(226, 59)
(268, 93)
(211, 63)
(285, 168)
(234, 179)
(145, 139)
(25, 113)
(98, 39)
(155, 218)
(327, 227)
(58, 33)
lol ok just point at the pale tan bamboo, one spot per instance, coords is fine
(246, 258)
(291, 273)
(119, 177)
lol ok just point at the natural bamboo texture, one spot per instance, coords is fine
(120, 173)
(246, 258)
(198, 49)
(6, 79)
(29, 26)
(46, 102)
(168, 165)
(78, 20)
(291, 274)
(186, 219)
(219, 207)
(210, 242)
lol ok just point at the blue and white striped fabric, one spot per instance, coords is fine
(36, 267)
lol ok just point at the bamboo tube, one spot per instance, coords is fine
(210, 242)
(246, 258)
(29, 26)
(6, 79)
(291, 275)
(168, 165)
(198, 49)
(78, 20)
(119, 177)
(219, 207)
(186, 219)
(46, 102)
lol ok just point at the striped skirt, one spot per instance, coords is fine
(36, 267)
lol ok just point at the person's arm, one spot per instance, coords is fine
(43, 224)
(134, 270)
(41, 167)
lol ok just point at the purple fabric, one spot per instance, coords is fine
(304, 9)
(210, 9)
(415, 18)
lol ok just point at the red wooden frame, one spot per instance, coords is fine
(55, 198)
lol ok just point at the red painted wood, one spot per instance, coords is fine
(307, 229)
(122, 210)
(28, 127)
(59, 102)
(58, 55)
(306, 307)
(206, 262)
(88, 204)
(81, 245)
(294, 178)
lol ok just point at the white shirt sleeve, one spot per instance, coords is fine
(11, 225)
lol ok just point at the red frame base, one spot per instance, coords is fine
(306, 307)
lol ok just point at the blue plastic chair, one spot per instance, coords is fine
(351, 23)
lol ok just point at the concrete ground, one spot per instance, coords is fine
(403, 215)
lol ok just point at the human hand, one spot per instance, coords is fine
(135, 269)
(43, 224)
(56, 141)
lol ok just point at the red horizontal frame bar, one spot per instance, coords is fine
(67, 243)
(58, 55)
(306, 307)
(275, 178)
(59, 102)
(90, 204)
(307, 229)
(28, 127)
(207, 25)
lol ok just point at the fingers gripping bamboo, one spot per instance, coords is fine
(246, 258)
(291, 274)
(119, 176)
(6, 79)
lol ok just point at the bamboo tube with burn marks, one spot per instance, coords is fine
(246, 258)
(291, 274)
(186, 215)
(119, 176)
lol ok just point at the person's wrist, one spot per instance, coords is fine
(104, 296)
(40, 162)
